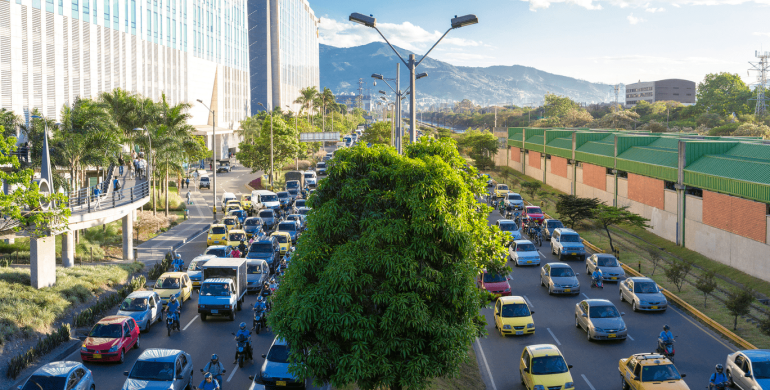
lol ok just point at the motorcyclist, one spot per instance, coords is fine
(596, 276)
(718, 377)
(173, 309)
(178, 263)
(235, 253)
(243, 332)
(261, 306)
(242, 248)
(209, 383)
(215, 368)
(665, 336)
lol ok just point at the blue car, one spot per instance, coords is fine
(60, 376)
(567, 242)
(275, 370)
(144, 307)
(252, 226)
(266, 249)
(240, 214)
(284, 198)
(291, 227)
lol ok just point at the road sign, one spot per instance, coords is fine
(319, 137)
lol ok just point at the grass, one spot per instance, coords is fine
(24, 308)
(634, 252)
(469, 377)
(175, 201)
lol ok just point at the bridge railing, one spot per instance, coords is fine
(85, 201)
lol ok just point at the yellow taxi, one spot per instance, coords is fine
(246, 202)
(543, 367)
(501, 190)
(235, 236)
(647, 371)
(176, 284)
(232, 205)
(217, 235)
(231, 222)
(513, 316)
(284, 240)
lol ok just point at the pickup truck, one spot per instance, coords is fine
(223, 288)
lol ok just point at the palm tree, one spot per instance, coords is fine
(323, 99)
(306, 100)
(10, 122)
(175, 137)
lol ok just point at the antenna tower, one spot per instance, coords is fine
(616, 89)
(761, 67)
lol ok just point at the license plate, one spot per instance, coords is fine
(196, 283)
(654, 307)
(529, 261)
(280, 383)
(567, 290)
(519, 332)
(214, 311)
(97, 356)
(574, 254)
(614, 278)
(611, 335)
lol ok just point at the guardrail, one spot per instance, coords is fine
(84, 200)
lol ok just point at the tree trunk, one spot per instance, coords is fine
(324, 118)
(167, 189)
(735, 323)
(612, 248)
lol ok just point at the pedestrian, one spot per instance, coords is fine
(97, 192)
(120, 163)
(187, 181)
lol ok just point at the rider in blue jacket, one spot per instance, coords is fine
(665, 336)
(717, 377)
(215, 368)
(178, 263)
(596, 275)
(209, 383)
(173, 308)
(243, 332)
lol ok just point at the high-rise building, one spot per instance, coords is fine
(54, 51)
(283, 52)
(682, 91)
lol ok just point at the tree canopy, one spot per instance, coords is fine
(480, 146)
(723, 93)
(377, 134)
(573, 209)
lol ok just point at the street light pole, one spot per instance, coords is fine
(271, 143)
(213, 153)
(296, 130)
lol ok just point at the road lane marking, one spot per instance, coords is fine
(528, 302)
(191, 321)
(587, 382)
(584, 294)
(629, 336)
(192, 239)
(541, 254)
(484, 359)
(733, 349)
(554, 336)
(232, 373)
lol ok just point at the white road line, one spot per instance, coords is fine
(587, 382)
(252, 385)
(528, 302)
(731, 348)
(191, 321)
(232, 373)
(192, 239)
(554, 336)
(584, 294)
(541, 254)
(484, 359)
(629, 336)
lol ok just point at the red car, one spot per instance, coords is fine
(495, 284)
(110, 339)
(533, 213)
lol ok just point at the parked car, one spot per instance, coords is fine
(510, 227)
(648, 371)
(252, 226)
(160, 369)
(523, 252)
(542, 366)
(550, 225)
(274, 372)
(559, 278)
(533, 213)
(612, 269)
(176, 284)
(204, 182)
(110, 339)
(195, 269)
(495, 284)
(144, 307)
(749, 369)
(643, 294)
(600, 319)
(63, 375)
(567, 242)
(513, 316)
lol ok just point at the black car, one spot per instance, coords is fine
(269, 219)
(205, 182)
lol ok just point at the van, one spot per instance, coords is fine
(263, 199)
(226, 197)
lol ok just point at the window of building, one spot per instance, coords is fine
(75, 9)
(676, 94)
(669, 185)
(116, 15)
(86, 10)
(676, 87)
(623, 174)
(694, 192)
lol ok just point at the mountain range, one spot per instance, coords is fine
(341, 69)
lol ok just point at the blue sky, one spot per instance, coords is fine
(615, 41)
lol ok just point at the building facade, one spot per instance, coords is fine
(682, 91)
(54, 51)
(283, 52)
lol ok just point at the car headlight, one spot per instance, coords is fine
(569, 385)
(113, 348)
(530, 325)
(83, 348)
(506, 327)
(598, 330)
(538, 387)
(507, 290)
(202, 306)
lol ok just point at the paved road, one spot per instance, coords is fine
(595, 363)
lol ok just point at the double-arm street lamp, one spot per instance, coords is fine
(271, 142)
(371, 21)
(214, 151)
(399, 96)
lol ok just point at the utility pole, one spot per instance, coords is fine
(761, 67)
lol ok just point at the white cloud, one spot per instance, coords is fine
(405, 35)
(654, 10)
(634, 20)
(534, 5)
(762, 34)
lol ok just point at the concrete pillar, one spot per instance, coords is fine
(68, 249)
(42, 266)
(128, 238)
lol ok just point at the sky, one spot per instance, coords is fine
(609, 41)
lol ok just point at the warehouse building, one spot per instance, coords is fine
(682, 91)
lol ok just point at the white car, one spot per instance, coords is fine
(523, 252)
(514, 200)
(749, 369)
(310, 177)
(510, 227)
(160, 369)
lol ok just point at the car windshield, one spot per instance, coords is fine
(603, 312)
(525, 248)
(492, 278)
(218, 252)
(215, 289)
(259, 247)
(663, 372)
(167, 283)
(281, 238)
(237, 237)
(606, 261)
(321, 165)
(502, 187)
(508, 227)
(300, 203)
(269, 198)
(570, 238)
(645, 287)
(204, 179)
(278, 354)
(761, 370)
(555, 224)
(254, 269)
(515, 310)
(287, 227)
(292, 184)
(196, 265)
(266, 214)
(218, 230)
(37, 382)
(283, 194)
(308, 176)
(514, 197)
(545, 365)
(561, 272)
(134, 304)
(252, 222)
(229, 221)
(152, 371)
(534, 210)
(246, 198)
(109, 331)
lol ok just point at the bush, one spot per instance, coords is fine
(724, 130)
(159, 268)
(88, 316)
(43, 346)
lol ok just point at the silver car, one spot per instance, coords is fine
(60, 376)
(160, 369)
(144, 307)
(612, 270)
(750, 369)
(600, 319)
(559, 279)
(643, 294)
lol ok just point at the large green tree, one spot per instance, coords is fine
(255, 154)
(723, 93)
(480, 146)
(608, 216)
(381, 290)
(377, 134)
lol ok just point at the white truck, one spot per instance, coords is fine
(223, 288)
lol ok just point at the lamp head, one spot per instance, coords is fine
(383, 92)
(199, 101)
(376, 76)
(421, 75)
(463, 21)
(368, 21)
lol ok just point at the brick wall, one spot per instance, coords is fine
(516, 154)
(595, 176)
(559, 166)
(735, 215)
(534, 159)
(646, 190)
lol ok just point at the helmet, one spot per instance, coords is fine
(719, 368)
(666, 327)
(242, 326)
(208, 376)
(178, 255)
(173, 298)
(214, 358)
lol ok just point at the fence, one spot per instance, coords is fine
(84, 200)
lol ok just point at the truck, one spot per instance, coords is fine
(296, 175)
(223, 288)
(224, 166)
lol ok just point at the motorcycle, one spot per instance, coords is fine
(597, 282)
(719, 386)
(218, 378)
(243, 350)
(172, 321)
(668, 348)
(260, 317)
